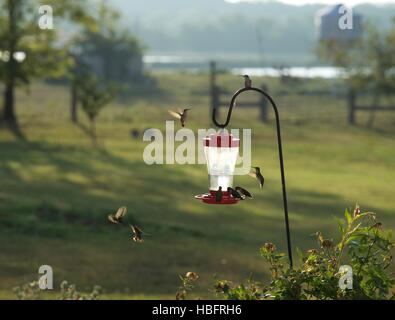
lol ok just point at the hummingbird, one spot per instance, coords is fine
(181, 115)
(218, 195)
(118, 216)
(234, 193)
(244, 193)
(247, 81)
(256, 173)
(137, 233)
(324, 243)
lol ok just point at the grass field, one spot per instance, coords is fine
(56, 191)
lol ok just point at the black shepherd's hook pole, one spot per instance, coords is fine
(280, 153)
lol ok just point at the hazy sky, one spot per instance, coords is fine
(346, 2)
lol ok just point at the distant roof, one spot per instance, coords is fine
(327, 23)
(332, 11)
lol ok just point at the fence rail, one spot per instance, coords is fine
(306, 105)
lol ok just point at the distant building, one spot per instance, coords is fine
(330, 24)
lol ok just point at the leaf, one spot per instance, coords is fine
(348, 216)
(340, 224)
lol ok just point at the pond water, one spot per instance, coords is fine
(236, 65)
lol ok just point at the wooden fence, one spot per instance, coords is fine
(312, 105)
(353, 107)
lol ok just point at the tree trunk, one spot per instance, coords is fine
(74, 115)
(9, 113)
(10, 66)
(93, 132)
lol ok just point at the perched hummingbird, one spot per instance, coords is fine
(118, 216)
(247, 81)
(244, 193)
(234, 193)
(218, 195)
(181, 115)
(256, 173)
(137, 233)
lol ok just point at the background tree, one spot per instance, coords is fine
(110, 51)
(107, 50)
(21, 35)
(379, 59)
(94, 96)
(367, 63)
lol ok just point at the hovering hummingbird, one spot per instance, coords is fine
(137, 233)
(118, 216)
(244, 193)
(181, 115)
(324, 243)
(247, 81)
(234, 193)
(256, 173)
(218, 195)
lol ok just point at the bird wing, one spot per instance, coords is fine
(176, 115)
(111, 218)
(244, 192)
(120, 213)
(252, 174)
(137, 231)
(235, 194)
(261, 179)
(247, 193)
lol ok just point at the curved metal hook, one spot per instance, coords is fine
(280, 154)
(232, 103)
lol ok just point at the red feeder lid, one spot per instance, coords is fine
(222, 139)
(210, 198)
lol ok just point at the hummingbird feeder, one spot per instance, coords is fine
(221, 151)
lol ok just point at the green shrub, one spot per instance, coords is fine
(187, 284)
(32, 291)
(363, 245)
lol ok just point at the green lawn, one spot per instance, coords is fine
(56, 190)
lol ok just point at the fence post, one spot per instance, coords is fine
(263, 105)
(214, 90)
(351, 106)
